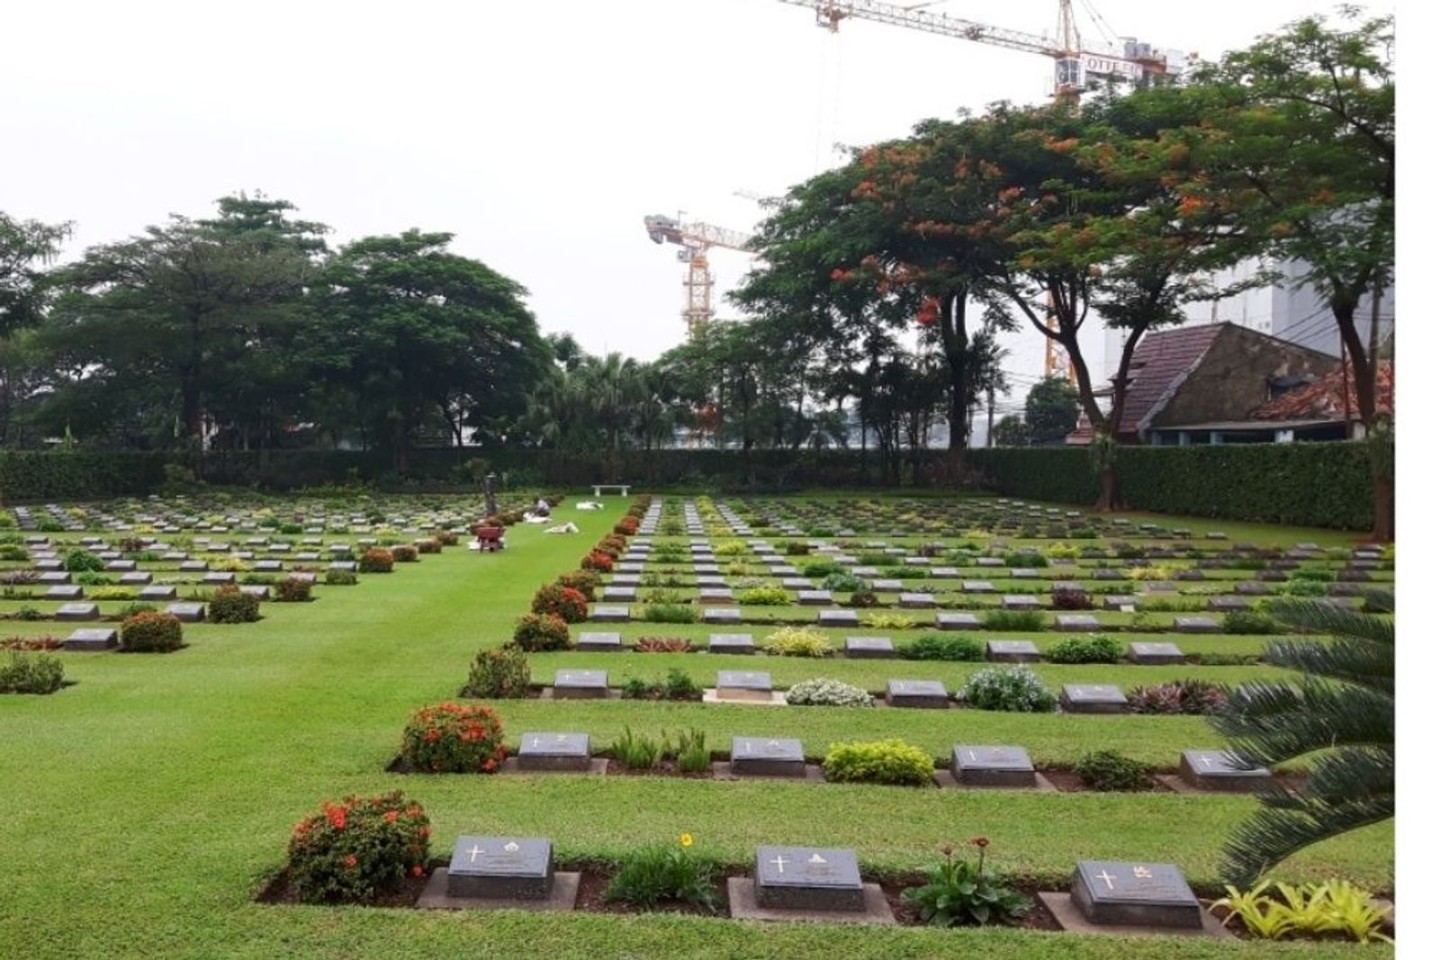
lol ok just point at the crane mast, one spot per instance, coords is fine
(695, 240)
(1075, 66)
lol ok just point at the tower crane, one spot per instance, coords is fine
(1075, 65)
(695, 240)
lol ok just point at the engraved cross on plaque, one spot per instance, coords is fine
(1109, 880)
(475, 852)
(779, 864)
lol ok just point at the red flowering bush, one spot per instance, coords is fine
(358, 849)
(404, 553)
(538, 632)
(598, 561)
(627, 526)
(151, 632)
(567, 603)
(376, 560)
(611, 544)
(454, 738)
(583, 580)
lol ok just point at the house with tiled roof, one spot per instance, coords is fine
(1202, 385)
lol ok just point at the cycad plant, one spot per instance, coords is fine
(1343, 711)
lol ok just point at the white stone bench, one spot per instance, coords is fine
(622, 488)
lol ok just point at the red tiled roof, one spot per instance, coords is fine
(1325, 398)
(1161, 361)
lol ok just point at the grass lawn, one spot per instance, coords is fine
(145, 806)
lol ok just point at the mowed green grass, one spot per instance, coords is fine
(145, 806)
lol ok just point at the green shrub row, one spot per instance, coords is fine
(1306, 484)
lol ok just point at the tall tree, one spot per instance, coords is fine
(1051, 409)
(174, 319)
(26, 248)
(1301, 146)
(420, 334)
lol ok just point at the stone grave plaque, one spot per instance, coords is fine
(53, 577)
(766, 757)
(1012, 651)
(187, 612)
(814, 598)
(599, 642)
(610, 614)
(1155, 654)
(887, 586)
(709, 580)
(1136, 894)
(1227, 604)
(797, 583)
(917, 600)
(720, 615)
(1020, 601)
(268, 566)
(1108, 573)
(580, 684)
(716, 595)
(1119, 601)
(218, 577)
(193, 566)
(78, 611)
(554, 751)
(871, 647)
(991, 766)
(135, 578)
(156, 592)
(1024, 573)
(989, 562)
(1076, 623)
(257, 590)
(1218, 770)
(742, 643)
(1252, 588)
(743, 685)
(51, 565)
(1093, 698)
(1196, 625)
(64, 591)
(945, 572)
(503, 868)
(837, 618)
(92, 638)
(120, 566)
(957, 621)
(706, 568)
(922, 694)
(612, 592)
(808, 878)
(977, 586)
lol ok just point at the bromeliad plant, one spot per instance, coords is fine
(1335, 906)
(959, 894)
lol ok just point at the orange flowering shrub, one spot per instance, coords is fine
(454, 738)
(376, 560)
(358, 849)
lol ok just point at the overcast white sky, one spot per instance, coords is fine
(539, 133)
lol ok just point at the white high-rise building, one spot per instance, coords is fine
(1283, 308)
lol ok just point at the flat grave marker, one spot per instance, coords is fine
(991, 766)
(554, 751)
(1012, 651)
(1134, 894)
(808, 878)
(767, 757)
(1155, 654)
(1093, 698)
(580, 685)
(1218, 770)
(917, 694)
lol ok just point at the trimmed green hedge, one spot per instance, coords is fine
(1309, 484)
(1306, 484)
(78, 475)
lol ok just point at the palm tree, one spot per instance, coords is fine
(1343, 710)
